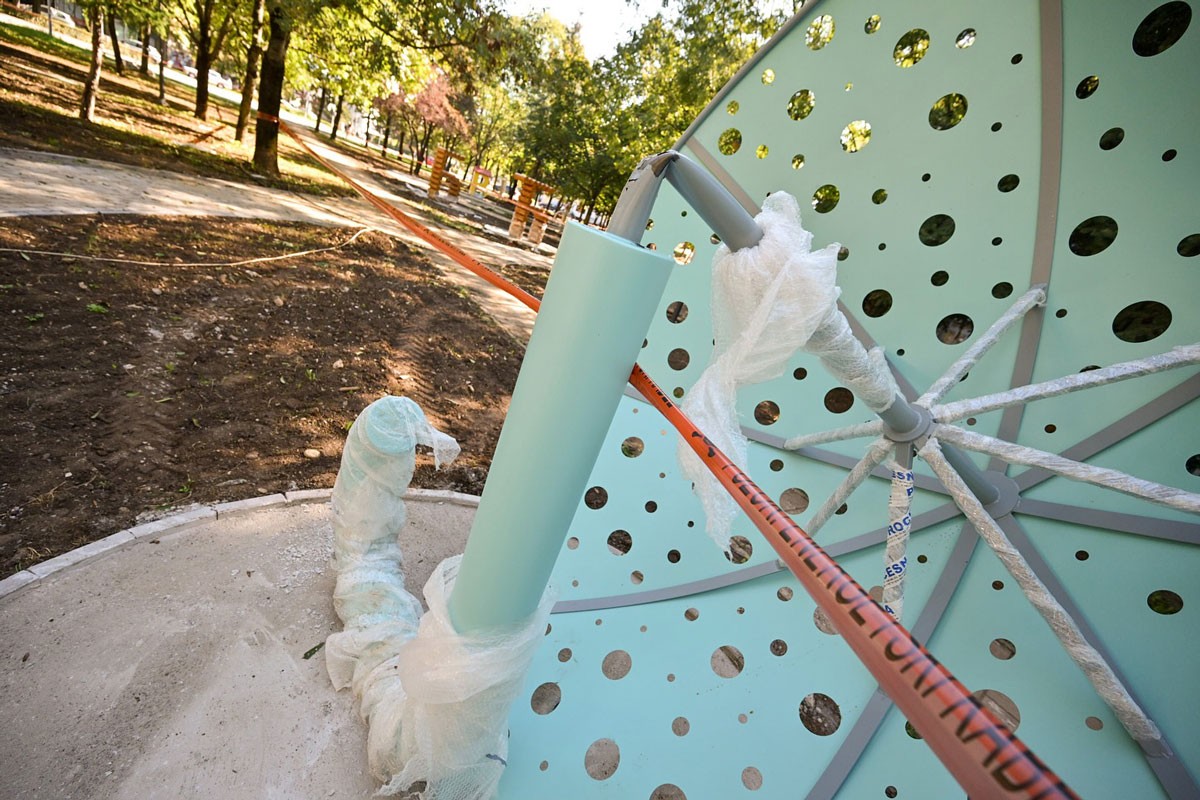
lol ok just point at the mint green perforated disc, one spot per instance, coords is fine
(960, 152)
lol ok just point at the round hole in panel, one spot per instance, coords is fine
(668, 791)
(1111, 138)
(936, 230)
(820, 714)
(1082, 555)
(767, 77)
(785, 593)
(1094, 723)
(679, 358)
(691, 615)
(823, 622)
(997, 585)
(732, 107)
(678, 392)
(674, 556)
(1017, 58)
(1002, 290)
(926, 177)
(595, 497)
(650, 224)
(776, 465)
(778, 647)
(1169, 155)
(1001, 706)
(670, 677)
(1141, 321)
(890, 791)
(921, 559)
(997, 241)
(1087, 87)
(911, 731)
(843, 253)
(727, 661)
(965, 39)
(616, 665)
(740, 550)
(797, 161)
(1192, 465)
(879, 196)
(713, 238)
(651, 506)
(1161, 28)
(545, 698)
(683, 252)
(680, 726)
(752, 778)
(939, 278)
(883, 246)
(1051, 428)
(636, 577)
(955, 329)
(677, 312)
(602, 758)
(800, 373)
(573, 543)
(872, 24)
(762, 151)
(620, 542)
(799, 106)
(996, 126)
(545, 765)
(1002, 649)
(1164, 601)
(1189, 246)
(820, 32)
(766, 412)
(632, 447)
(838, 400)
(877, 303)
(564, 655)
(729, 142)
(855, 136)
(842, 509)
(1093, 235)
(1008, 183)
(911, 48)
(1060, 313)
(826, 198)
(947, 111)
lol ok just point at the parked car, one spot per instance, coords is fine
(136, 46)
(60, 17)
(217, 79)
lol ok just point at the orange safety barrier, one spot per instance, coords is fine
(986, 758)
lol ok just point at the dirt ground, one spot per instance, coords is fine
(130, 389)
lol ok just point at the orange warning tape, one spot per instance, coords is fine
(986, 758)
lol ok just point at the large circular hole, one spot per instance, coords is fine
(911, 48)
(936, 230)
(729, 142)
(677, 312)
(1192, 465)
(1111, 138)
(855, 136)
(683, 252)
(1189, 246)
(1164, 601)
(877, 303)
(766, 412)
(602, 759)
(826, 198)
(545, 698)
(820, 32)
(794, 501)
(1002, 649)
(1161, 28)
(620, 542)
(820, 714)
(838, 400)
(740, 550)
(955, 329)
(1141, 321)
(595, 497)
(632, 447)
(727, 661)
(668, 791)
(947, 111)
(1087, 87)
(616, 665)
(678, 358)
(800, 105)
(1093, 235)
(1001, 706)
(680, 726)
(823, 622)
(1008, 183)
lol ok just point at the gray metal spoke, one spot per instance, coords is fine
(1136, 524)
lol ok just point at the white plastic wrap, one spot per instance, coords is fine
(895, 560)
(436, 703)
(767, 301)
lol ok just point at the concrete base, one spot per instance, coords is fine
(174, 666)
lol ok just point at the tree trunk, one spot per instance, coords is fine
(37, 6)
(118, 62)
(144, 68)
(91, 87)
(203, 64)
(337, 118)
(270, 91)
(162, 65)
(387, 134)
(321, 108)
(253, 59)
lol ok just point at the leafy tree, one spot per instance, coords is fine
(253, 61)
(91, 86)
(208, 24)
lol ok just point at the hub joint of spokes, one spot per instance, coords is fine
(904, 422)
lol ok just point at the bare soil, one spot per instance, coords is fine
(130, 389)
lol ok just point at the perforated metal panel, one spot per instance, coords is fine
(703, 695)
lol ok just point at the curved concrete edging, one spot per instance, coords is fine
(193, 517)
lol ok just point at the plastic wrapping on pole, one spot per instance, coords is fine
(602, 294)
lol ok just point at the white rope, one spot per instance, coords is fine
(865, 372)
(1099, 673)
(876, 453)
(1100, 476)
(839, 435)
(1034, 297)
(895, 562)
(1183, 356)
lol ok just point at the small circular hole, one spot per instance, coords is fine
(1094, 723)
(1169, 155)
(740, 550)
(997, 585)
(1111, 138)
(766, 412)
(677, 312)
(776, 465)
(673, 556)
(620, 543)
(545, 698)
(785, 593)
(679, 358)
(877, 303)
(820, 714)
(939, 278)
(1087, 87)
(1002, 649)
(838, 400)
(779, 647)
(1082, 555)
(800, 373)
(955, 329)
(1002, 290)
(691, 615)
(595, 497)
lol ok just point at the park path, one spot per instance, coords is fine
(35, 183)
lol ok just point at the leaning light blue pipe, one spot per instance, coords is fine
(602, 294)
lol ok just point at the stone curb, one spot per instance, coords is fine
(193, 517)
